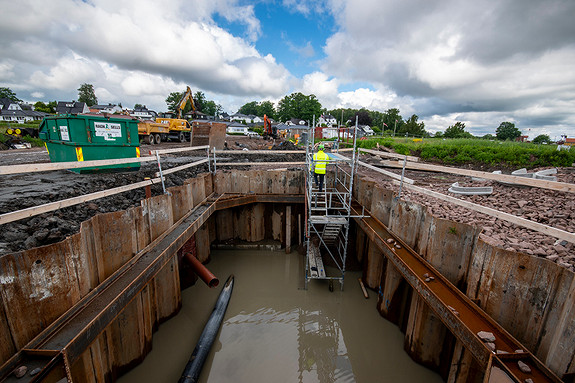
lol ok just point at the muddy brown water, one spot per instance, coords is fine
(274, 331)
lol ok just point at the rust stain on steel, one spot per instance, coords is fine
(74, 332)
(440, 294)
(64, 341)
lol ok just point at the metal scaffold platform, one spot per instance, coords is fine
(329, 212)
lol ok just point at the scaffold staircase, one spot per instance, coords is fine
(329, 212)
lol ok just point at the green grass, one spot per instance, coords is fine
(459, 152)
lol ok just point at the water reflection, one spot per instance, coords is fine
(275, 332)
(311, 337)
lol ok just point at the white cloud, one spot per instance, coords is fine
(324, 88)
(305, 51)
(486, 60)
(163, 45)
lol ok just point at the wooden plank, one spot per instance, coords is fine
(557, 233)
(551, 185)
(259, 163)
(390, 155)
(272, 152)
(311, 261)
(182, 167)
(40, 209)
(46, 167)
(178, 150)
(385, 172)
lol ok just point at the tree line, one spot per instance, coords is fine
(305, 107)
(390, 122)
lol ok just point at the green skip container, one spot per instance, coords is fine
(91, 137)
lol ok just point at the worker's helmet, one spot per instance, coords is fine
(321, 147)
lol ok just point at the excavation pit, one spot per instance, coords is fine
(253, 205)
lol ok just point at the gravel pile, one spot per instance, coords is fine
(556, 209)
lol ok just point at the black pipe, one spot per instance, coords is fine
(194, 367)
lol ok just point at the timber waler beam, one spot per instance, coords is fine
(459, 314)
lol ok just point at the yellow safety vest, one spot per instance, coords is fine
(321, 163)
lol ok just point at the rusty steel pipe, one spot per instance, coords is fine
(202, 271)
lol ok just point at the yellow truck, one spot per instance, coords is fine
(164, 128)
(151, 132)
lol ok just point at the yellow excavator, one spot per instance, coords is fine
(166, 128)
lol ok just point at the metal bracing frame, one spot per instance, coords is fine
(329, 212)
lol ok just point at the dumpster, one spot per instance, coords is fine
(91, 137)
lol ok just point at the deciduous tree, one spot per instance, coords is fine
(8, 93)
(46, 108)
(249, 108)
(457, 130)
(87, 94)
(413, 128)
(542, 139)
(507, 131)
(298, 105)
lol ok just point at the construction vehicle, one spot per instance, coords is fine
(269, 130)
(151, 132)
(166, 128)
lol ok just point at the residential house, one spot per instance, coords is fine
(11, 111)
(236, 127)
(110, 109)
(240, 117)
(296, 121)
(364, 131)
(327, 120)
(144, 113)
(569, 141)
(65, 107)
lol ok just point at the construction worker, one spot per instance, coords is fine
(320, 161)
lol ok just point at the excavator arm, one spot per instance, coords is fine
(182, 104)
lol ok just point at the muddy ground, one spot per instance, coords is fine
(20, 191)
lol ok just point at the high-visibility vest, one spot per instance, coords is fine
(320, 165)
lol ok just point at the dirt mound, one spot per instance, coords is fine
(285, 145)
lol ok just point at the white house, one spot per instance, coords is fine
(110, 109)
(11, 111)
(240, 118)
(144, 113)
(365, 130)
(327, 120)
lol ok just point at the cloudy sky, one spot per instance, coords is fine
(481, 62)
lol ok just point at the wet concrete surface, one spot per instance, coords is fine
(274, 331)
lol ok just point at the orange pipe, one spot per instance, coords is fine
(202, 272)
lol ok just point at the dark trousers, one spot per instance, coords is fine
(319, 182)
